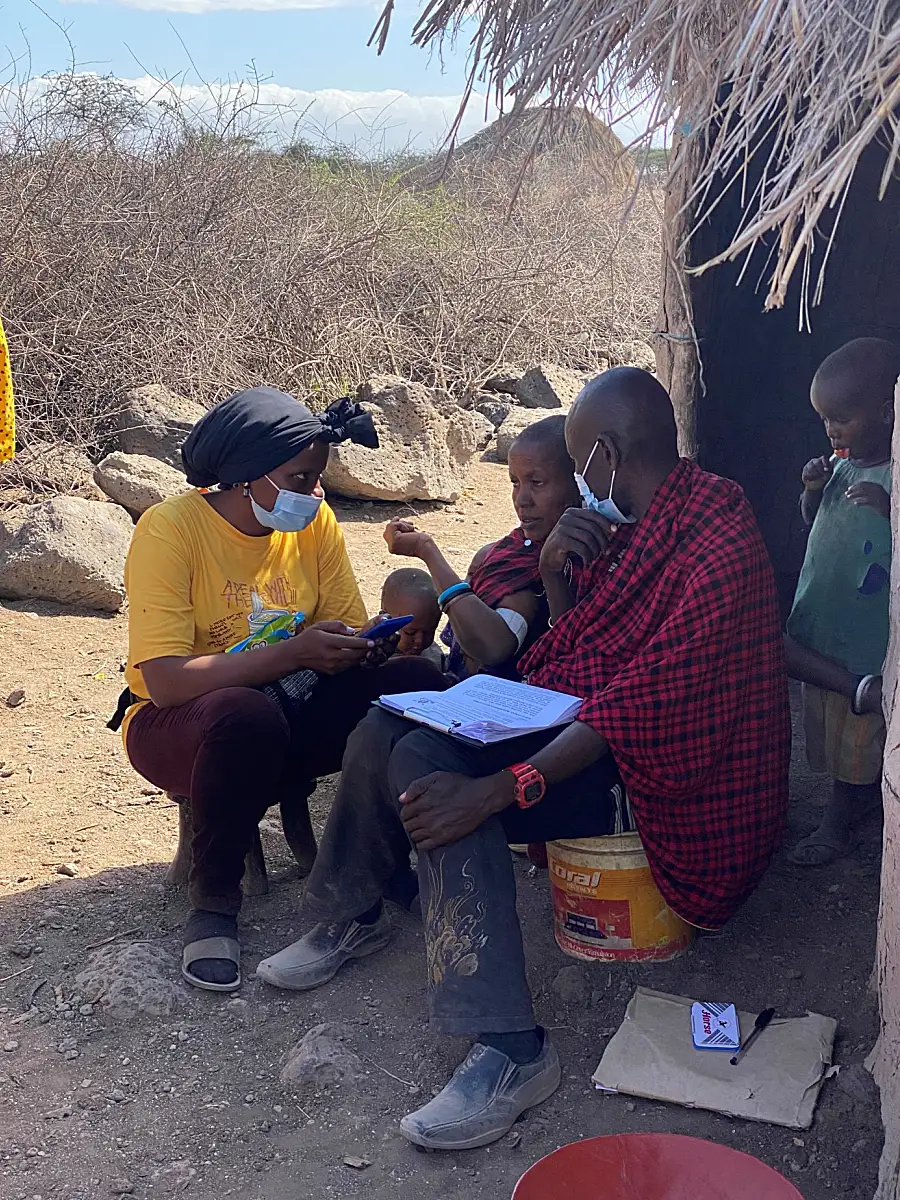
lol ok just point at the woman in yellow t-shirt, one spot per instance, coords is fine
(236, 732)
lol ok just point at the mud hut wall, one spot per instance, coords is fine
(754, 422)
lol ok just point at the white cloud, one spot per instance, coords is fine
(386, 120)
(369, 121)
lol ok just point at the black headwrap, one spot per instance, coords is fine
(254, 431)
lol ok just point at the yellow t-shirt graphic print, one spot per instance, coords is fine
(197, 585)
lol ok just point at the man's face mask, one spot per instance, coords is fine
(606, 508)
(291, 512)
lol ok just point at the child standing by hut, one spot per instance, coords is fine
(838, 627)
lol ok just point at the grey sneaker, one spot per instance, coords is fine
(482, 1101)
(320, 954)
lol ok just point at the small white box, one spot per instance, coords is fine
(715, 1027)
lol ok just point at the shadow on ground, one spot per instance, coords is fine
(191, 1102)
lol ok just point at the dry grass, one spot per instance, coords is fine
(139, 247)
(804, 86)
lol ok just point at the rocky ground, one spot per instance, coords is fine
(98, 1101)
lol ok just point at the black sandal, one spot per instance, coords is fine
(223, 948)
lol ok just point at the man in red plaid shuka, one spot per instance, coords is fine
(674, 641)
(664, 620)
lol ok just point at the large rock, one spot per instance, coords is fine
(321, 1059)
(543, 385)
(495, 408)
(155, 422)
(11, 521)
(549, 386)
(133, 980)
(50, 468)
(69, 550)
(137, 482)
(519, 419)
(484, 429)
(427, 443)
(504, 380)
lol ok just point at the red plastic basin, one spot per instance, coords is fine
(651, 1166)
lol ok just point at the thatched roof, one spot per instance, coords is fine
(807, 84)
(579, 146)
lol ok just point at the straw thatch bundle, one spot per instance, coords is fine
(804, 84)
(518, 148)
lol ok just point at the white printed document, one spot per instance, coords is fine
(485, 709)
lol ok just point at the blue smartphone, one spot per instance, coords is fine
(386, 628)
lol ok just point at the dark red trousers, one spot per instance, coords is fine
(232, 754)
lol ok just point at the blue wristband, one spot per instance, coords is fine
(455, 589)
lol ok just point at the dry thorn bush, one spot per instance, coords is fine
(142, 244)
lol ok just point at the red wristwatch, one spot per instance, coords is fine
(530, 784)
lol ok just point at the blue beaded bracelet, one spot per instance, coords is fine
(455, 589)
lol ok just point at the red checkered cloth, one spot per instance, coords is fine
(512, 565)
(675, 643)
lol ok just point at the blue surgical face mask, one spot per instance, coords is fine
(291, 512)
(606, 508)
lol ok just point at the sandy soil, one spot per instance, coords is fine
(191, 1103)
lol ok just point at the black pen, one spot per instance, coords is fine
(758, 1026)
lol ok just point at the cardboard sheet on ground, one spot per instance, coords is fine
(652, 1055)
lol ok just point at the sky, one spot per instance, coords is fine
(310, 54)
(312, 59)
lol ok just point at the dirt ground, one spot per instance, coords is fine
(191, 1103)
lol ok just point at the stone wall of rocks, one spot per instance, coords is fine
(68, 537)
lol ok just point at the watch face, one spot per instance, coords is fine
(533, 792)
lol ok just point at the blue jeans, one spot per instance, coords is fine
(475, 957)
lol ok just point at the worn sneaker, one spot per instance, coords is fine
(483, 1100)
(320, 954)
